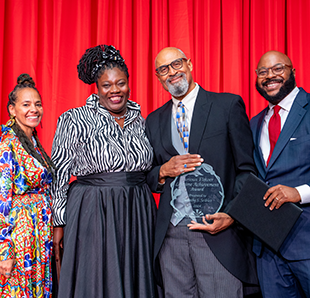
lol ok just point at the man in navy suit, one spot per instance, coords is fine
(284, 166)
(194, 260)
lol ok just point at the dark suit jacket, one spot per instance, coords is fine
(221, 134)
(289, 165)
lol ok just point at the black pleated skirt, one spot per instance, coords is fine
(108, 238)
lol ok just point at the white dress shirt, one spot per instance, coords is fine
(285, 104)
(189, 103)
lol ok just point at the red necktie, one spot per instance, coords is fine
(274, 129)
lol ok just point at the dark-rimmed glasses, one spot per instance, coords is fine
(276, 70)
(175, 64)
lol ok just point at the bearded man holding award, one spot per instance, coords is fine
(202, 156)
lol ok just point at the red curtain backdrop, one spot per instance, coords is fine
(224, 39)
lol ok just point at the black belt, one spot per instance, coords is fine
(113, 179)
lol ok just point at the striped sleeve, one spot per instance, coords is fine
(63, 157)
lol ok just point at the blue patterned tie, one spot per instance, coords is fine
(182, 125)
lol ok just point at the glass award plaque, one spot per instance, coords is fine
(204, 192)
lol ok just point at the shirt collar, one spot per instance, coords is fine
(287, 102)
(189, 99)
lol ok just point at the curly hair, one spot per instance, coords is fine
(25, 81)
(96, 60)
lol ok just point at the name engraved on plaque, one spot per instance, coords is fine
(204, 191)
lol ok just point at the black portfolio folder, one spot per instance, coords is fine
(248, 208)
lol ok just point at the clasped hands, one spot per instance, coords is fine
(180, 164)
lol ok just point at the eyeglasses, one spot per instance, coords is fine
(175, 64)
(276, 70)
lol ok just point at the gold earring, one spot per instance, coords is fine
(11, 122)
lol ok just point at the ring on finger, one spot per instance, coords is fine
(185, 165)
(277, 199)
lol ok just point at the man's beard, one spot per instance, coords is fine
(285, 90)
(179, 88)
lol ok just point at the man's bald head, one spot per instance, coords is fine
(167, 52)
(178, 81)
(275, 56)
(275, 76)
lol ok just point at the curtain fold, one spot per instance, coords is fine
(224, 39)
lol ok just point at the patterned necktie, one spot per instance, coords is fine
(182, 125)
(274, 129)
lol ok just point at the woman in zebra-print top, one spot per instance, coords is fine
(106, 217)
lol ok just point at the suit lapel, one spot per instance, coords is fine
(165, 129)
(293, 120)
(260, 164)
(199, 120)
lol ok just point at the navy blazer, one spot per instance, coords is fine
(289, 165)
(221, 134)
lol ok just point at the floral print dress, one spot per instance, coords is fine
(25, 220)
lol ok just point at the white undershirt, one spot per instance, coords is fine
(285, 104)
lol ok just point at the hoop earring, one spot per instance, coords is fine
(11, 122)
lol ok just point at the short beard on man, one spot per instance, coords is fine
(179, 88)
(285, 90)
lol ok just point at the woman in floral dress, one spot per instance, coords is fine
(25, 204)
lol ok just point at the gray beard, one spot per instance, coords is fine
(180, 88)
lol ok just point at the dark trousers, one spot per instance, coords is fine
(190, 269)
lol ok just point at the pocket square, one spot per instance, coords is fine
(293, 139)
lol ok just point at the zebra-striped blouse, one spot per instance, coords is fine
(88, 140)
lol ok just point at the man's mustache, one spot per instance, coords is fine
(175, 76)
(272, 81)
